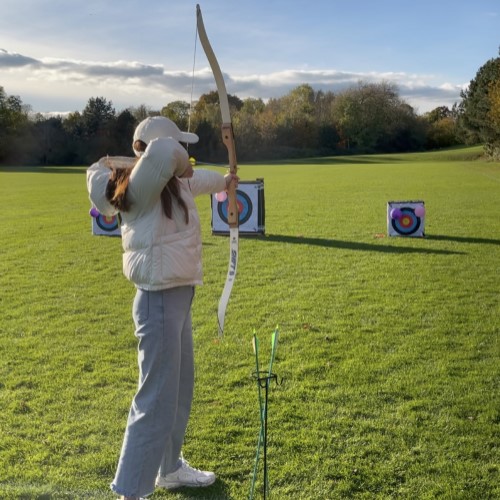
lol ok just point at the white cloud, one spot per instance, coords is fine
(130, 83)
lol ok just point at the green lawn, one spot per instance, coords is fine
(389, 347)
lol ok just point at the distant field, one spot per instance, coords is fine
(389, 347)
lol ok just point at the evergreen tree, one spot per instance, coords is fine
(480, 108)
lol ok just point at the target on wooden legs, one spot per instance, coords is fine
(406, 218)
(103, 225)
(250, 200)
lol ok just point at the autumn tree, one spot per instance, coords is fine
(441, 128)
(494, 99)
(247, 128)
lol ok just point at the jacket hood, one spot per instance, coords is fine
(97, 180)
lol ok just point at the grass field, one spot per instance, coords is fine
(389, 348)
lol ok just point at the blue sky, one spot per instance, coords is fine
(56, 54)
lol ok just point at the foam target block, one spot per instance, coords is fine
(251, 210)
(106, 226)
(406, 218)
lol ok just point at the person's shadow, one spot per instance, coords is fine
(463, 239)
(356, 245)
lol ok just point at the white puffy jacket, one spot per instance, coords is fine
(159, 252)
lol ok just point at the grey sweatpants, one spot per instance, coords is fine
(160, 409)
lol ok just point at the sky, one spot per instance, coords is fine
(57, 54)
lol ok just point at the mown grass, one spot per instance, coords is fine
(389, 347)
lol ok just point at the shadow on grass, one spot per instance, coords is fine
(455, 153)
(44, 170)
(217, 491)
(462, 239)
(355, 245)
(341, 160)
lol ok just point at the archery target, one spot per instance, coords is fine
(250, 200)
(103, 225)
(245, 207)
(405, 218)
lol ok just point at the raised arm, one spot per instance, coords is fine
(163, 159)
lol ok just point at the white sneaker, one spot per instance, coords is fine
(186, 475)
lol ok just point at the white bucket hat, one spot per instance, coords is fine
(160, 126)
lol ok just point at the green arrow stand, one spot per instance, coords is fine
(263, 379)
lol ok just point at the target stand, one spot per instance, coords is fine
(406, 218)
(106, 226)
(251, 208)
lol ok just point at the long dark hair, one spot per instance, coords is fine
(116, 189)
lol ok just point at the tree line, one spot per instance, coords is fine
(366, 118)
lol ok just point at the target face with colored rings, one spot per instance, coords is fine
(408, 223)
(244, 207)
(108, 223)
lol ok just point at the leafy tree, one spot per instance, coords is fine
(73, 125)
(97, 115)
(296, 120)
(406, 131)
(369, 117)
(267, 130)
(253, 106)
(77, 143)
(299, 103)
(479, 108)
(122, 133)
(209, 147)
(246, 128)
(4, 125)
(178, 112)
(141, 112)
(441, 127)
(494, 98)
(359, 113)
(98, 119)
(207, 109)
(323, 102)
(14, 125)
(213, 98)
(50, 142)
(328, 136)
(372, 117)
(441, 134)
(206, 121)
(438, 114)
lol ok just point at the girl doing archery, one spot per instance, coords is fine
(161, 241)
